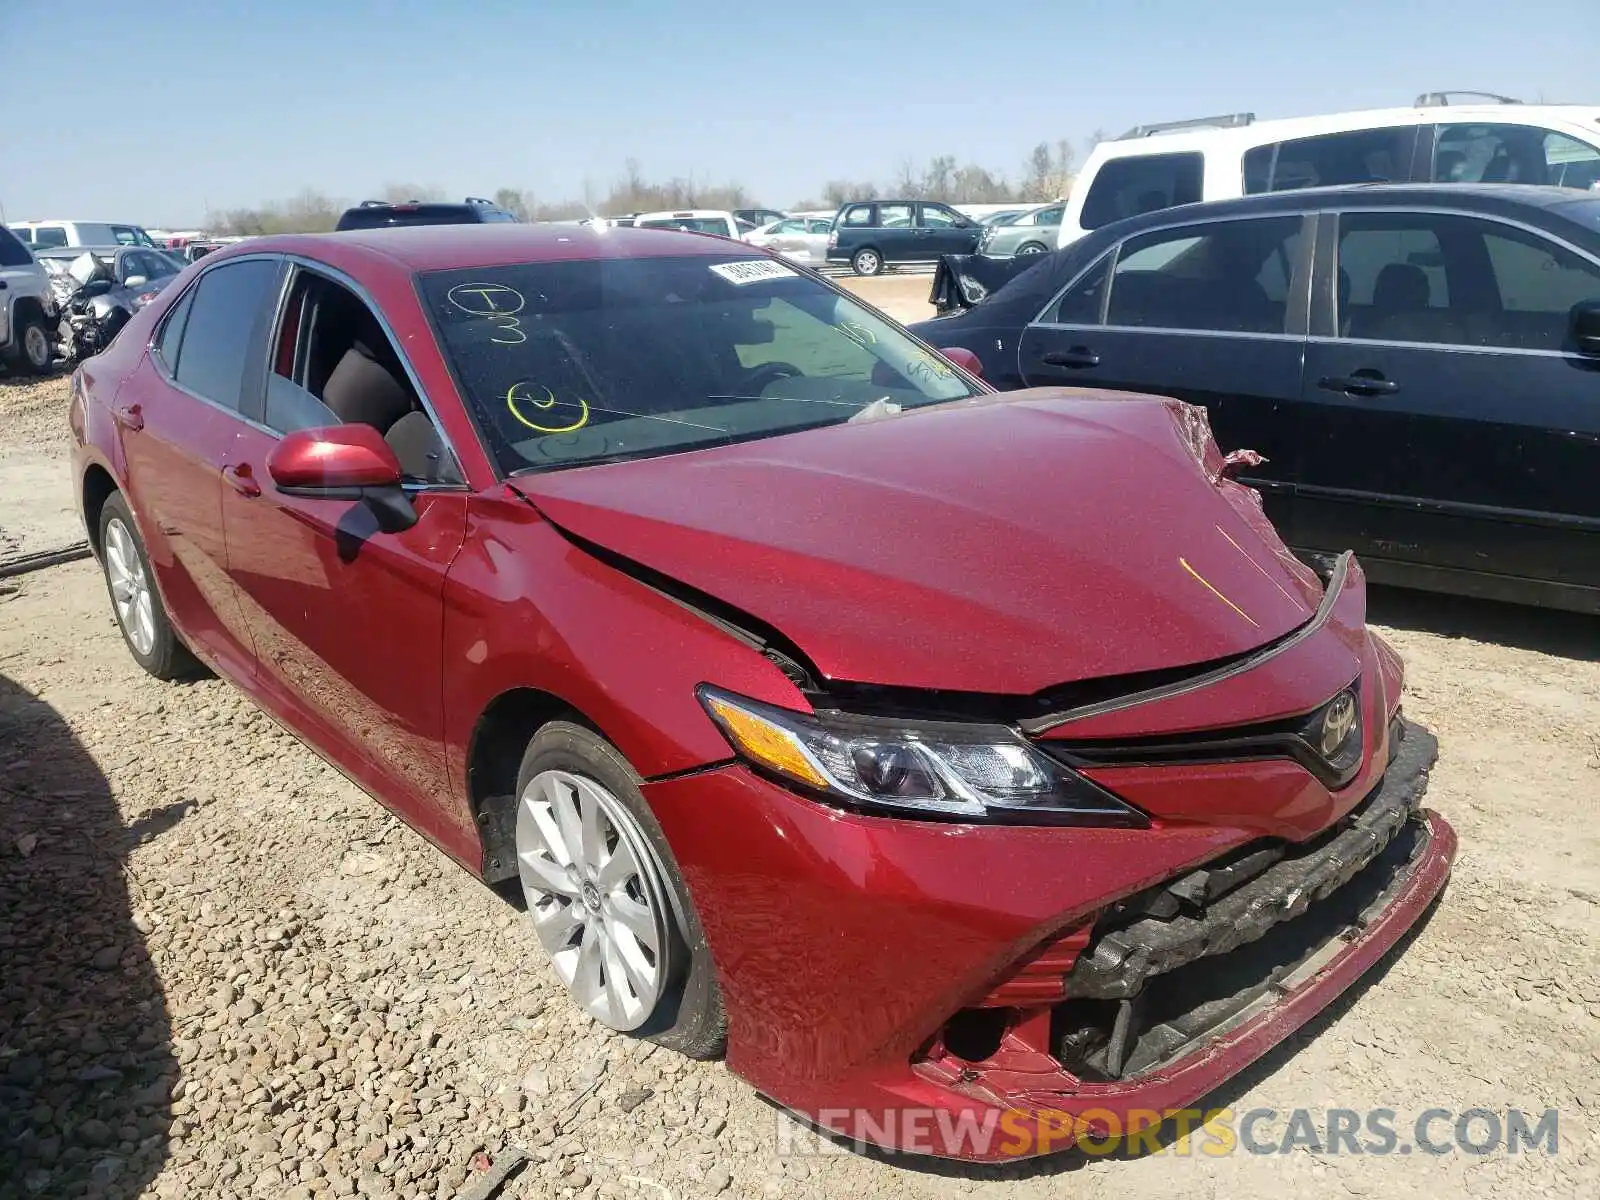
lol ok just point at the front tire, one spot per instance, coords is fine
(867, 261)
(1030, 248)
(31, 353)
(135, 602)
(606, 898)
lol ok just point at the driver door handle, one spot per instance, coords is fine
(1359, 385)
(130, 417)
(1077, 358)
(242, 480)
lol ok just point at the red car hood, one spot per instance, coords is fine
(1000, 545)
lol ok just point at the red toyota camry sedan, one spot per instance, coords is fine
(975, 770)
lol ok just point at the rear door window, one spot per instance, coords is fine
(894, 216)
(1125, 187)
(228, 307)
(1230, 276)
(1354, 156)
(49, 235)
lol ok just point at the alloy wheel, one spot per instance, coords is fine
(867, 263)
(596, 896)
(130, 587)
(36, 345)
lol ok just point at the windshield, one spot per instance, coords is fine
(579, 362)
(691, 224)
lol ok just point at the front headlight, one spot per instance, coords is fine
(914, 768)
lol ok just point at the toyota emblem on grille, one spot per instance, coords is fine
(1336, 723)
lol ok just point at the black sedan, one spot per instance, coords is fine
(1419, 365)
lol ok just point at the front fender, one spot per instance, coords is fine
(524, 608)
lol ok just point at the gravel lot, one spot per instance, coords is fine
(226, 972)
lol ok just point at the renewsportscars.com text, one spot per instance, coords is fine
(1212, 1132)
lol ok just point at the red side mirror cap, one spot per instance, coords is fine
(964, 358)
(335, 459)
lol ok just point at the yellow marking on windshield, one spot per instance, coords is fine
(526, 393)
(1206, 583)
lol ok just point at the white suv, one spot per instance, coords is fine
(48, 234)
(695, 220)
(1493, 140)
(28, 317)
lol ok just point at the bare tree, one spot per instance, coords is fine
(401, 193)
(515, 201)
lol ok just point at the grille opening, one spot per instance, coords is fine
(974, 1034)
(1105, 1040)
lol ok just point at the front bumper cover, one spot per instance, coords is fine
(844, 944)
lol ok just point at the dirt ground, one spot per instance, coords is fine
(226, 972)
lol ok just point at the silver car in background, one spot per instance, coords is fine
(803, 239)
(1033, 232)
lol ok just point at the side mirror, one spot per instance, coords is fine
(343, 462)
(1586, 327)
(97, 287)
(135, 281)
(964, 358)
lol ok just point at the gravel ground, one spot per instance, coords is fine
(225, 972)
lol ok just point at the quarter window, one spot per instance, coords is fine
(1230, 277)
(861, 214)
(1125, 187)
(12, 252)
(1080, 303)
(171, 338)
(217, 333)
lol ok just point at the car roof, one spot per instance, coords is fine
(1488, 197)
(74, 251)
(668, 213)
(1244, 135)
(457, 247)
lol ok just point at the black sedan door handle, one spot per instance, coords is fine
(1359, 384)
(1077, 358)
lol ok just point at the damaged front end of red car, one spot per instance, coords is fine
(1193, 856)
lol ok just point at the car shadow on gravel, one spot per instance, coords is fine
(86, 1063)
(1227, 1095)
(1546, 630)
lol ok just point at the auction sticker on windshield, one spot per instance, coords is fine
(752, 270)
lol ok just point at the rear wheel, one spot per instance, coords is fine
(137, 605)
(867, 261)
(605, 896)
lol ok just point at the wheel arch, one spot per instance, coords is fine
(98, 486)
(494, 755)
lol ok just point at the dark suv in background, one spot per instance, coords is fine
(377, 214)
(874, 234)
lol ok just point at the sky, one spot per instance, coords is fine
(201, 106)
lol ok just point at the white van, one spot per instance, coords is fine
(45, 234)
(1492, 139)
(694, 220)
